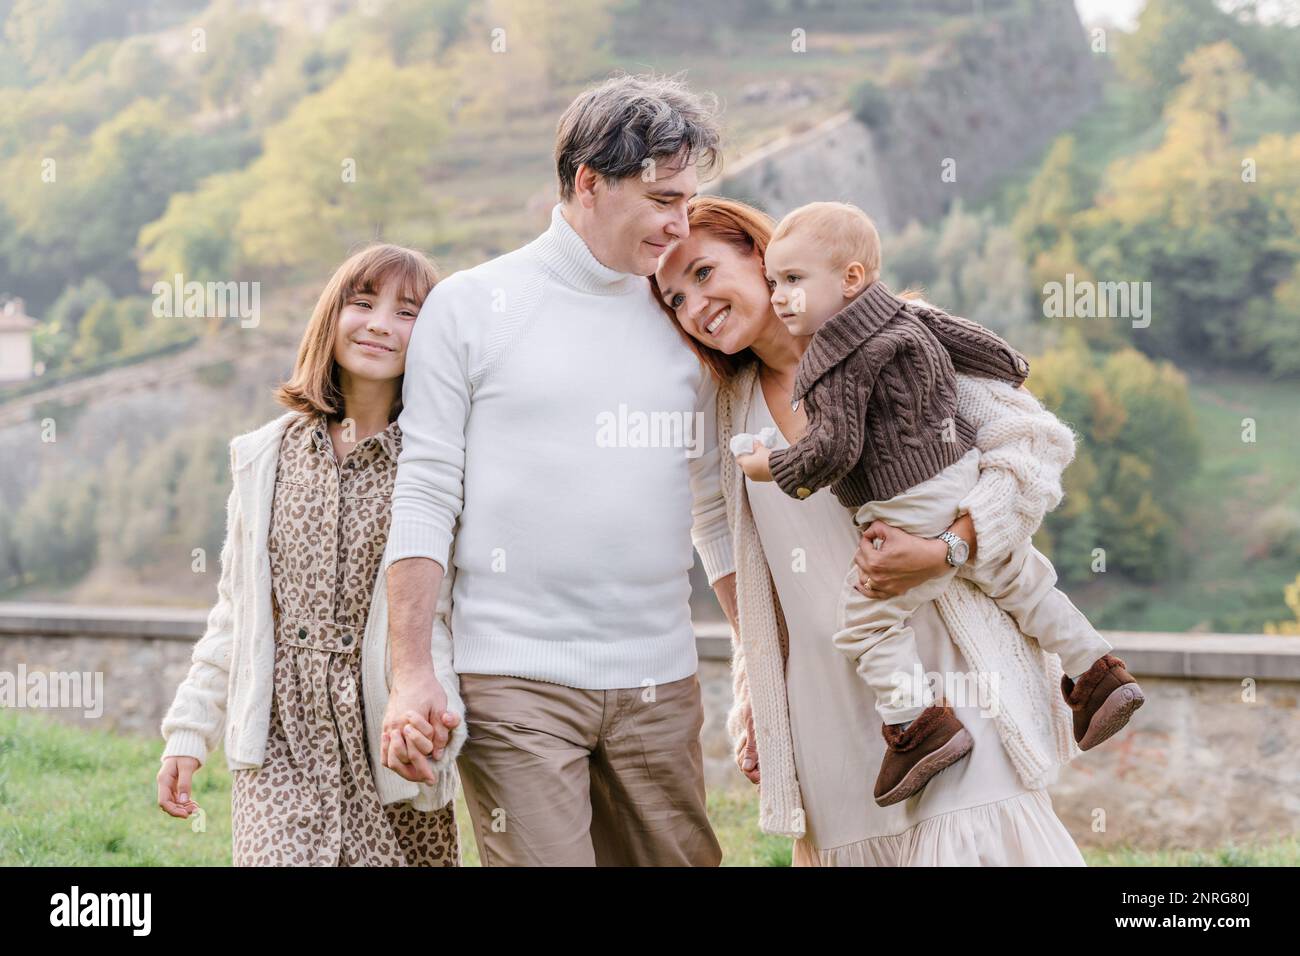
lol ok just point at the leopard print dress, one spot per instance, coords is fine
(313, 802)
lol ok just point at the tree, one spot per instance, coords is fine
(1151, 58)
(194, 237)
(1055, 194)
(1137, 450)
(348, 164)
(1187, 219)
(120, 180)
(1291, 594)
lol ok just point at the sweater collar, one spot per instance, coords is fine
(567, 255)
(845, 331)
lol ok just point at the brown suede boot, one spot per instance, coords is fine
(934, 740)
(1103, 699)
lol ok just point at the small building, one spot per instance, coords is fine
(16, 328)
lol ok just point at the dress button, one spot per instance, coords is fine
(302, 632)
(347, 639)
(803, 492)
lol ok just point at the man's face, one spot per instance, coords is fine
(636, 218)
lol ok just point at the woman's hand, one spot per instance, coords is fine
(174, 778)
(891, 561)
(747, 750)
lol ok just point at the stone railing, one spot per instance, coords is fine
(1209, 760)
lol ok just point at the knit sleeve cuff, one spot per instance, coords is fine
(717, 555)
(995, 534)
(785, 471)
(186, 743)
(417, 538)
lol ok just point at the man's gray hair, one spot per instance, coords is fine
(616, 126)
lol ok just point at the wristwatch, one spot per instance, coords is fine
(958, 549)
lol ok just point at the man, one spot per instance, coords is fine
(573, 529)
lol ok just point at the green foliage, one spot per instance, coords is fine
(342, 167)
(870, 105)
(1138, 449)
(71, 224)
(1210, 224)
(239, 46)
(1292, 626)
(161, 502)
(968, 265)
(1151, 59)
(54, 529)
(193, 237)
(1056, 193)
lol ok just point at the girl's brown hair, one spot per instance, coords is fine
(747, 230)
(314, 385)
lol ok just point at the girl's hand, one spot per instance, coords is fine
(418, 734)
(174, 786)
(747, 750)
(891, 561)
(756, 464)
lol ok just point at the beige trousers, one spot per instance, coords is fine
(874, 633)
(560, 776)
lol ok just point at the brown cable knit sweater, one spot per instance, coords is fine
(879, 380)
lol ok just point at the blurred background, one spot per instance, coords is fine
(1003, 146)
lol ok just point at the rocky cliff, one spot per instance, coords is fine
(982, 103)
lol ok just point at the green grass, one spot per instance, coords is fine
(1232, 584)
(73, 797)
(1284, 853)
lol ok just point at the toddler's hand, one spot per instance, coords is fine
(756, 464)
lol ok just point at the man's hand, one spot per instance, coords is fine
(756, 464)
(417, 725)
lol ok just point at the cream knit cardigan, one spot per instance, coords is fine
(229, 685)
(1024, 448)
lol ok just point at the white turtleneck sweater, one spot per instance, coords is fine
(557, 427)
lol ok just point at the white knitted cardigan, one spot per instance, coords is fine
(1024, 448)
(226, 696)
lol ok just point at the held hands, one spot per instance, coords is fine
(417, 726)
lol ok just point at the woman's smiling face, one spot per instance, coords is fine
(717, 293)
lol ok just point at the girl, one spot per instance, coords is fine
(293, 660)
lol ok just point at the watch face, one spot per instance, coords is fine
(960, 550)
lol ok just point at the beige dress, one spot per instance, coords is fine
(975, 813)
(313, 801)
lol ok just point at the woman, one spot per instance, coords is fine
(799, 704)
(292, 665)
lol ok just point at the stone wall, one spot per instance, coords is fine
(1210, 759)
